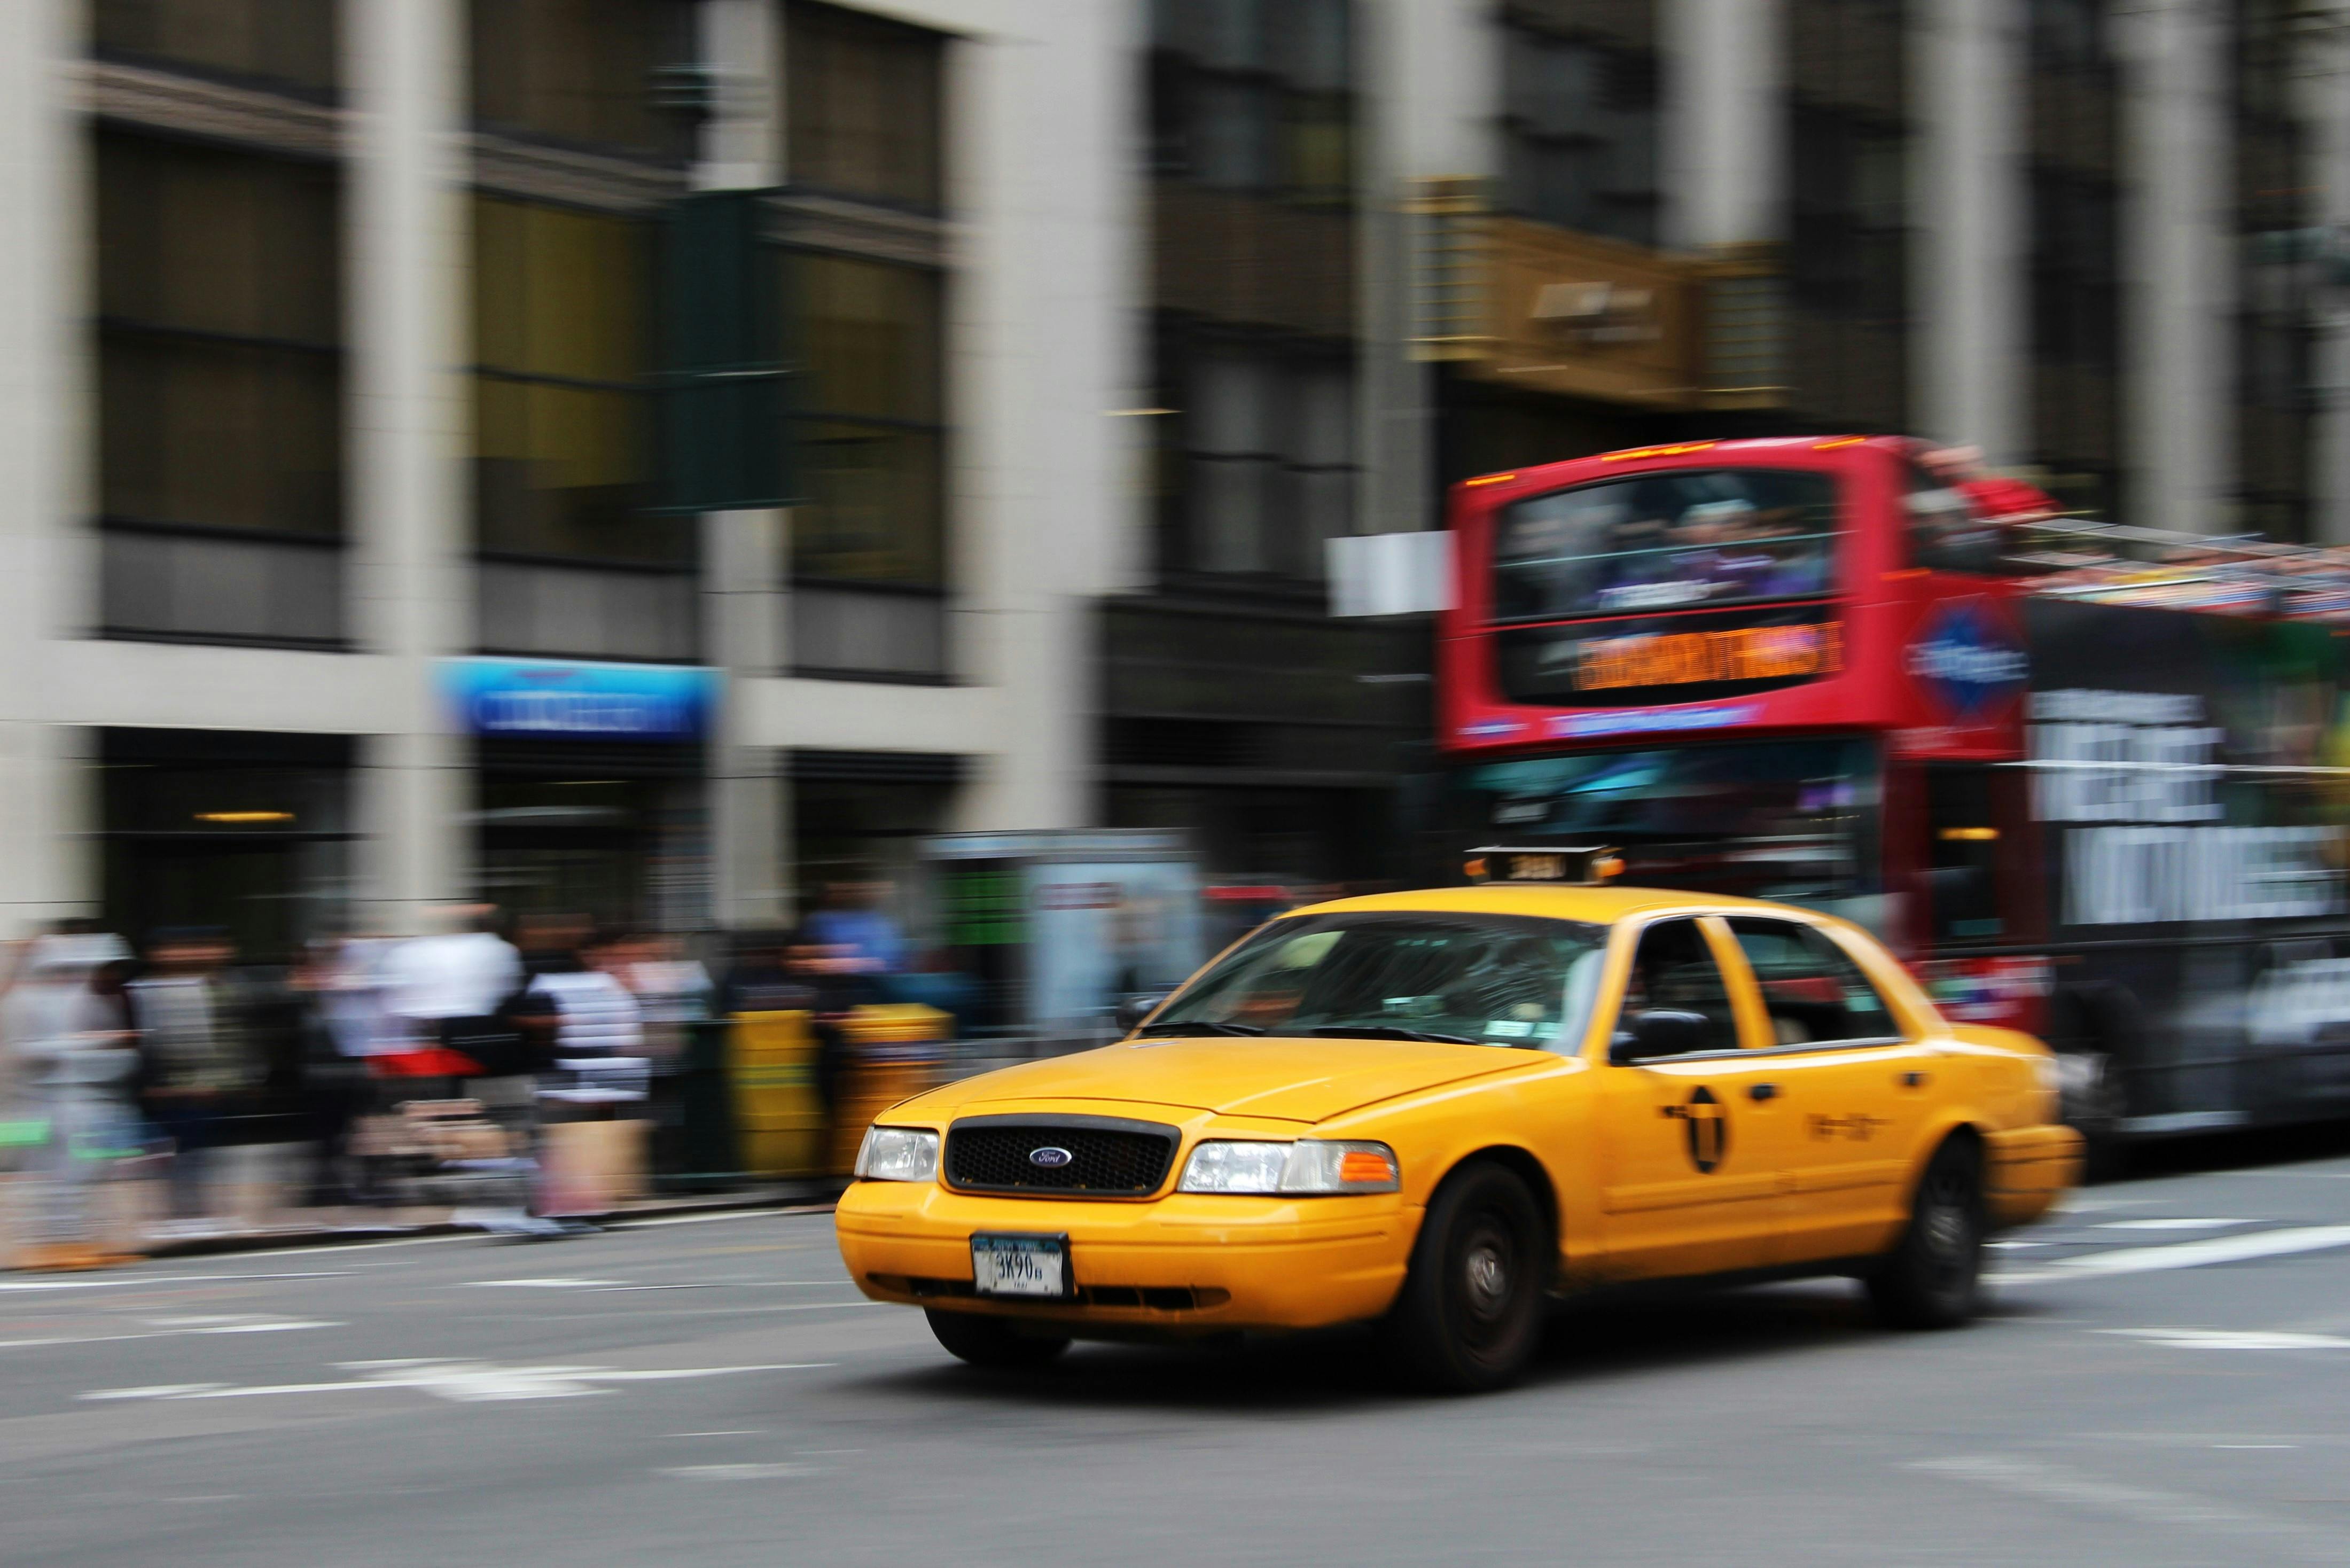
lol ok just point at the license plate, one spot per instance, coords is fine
(1020, 1266)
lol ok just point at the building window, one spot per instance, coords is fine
(870, 428)
(249, 833)
(562, 424)
(1268, 455)
(1847, 252)
(276, 43)
(1579, 131)
(2075, 251)
(1845, 258)
(580, 70)
(862, 95)
(1255, 95)
(220, 339)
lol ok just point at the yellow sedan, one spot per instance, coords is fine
(1433, 1111)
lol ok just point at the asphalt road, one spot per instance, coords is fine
(2165, 1379)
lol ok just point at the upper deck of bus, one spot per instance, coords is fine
(1794, 584)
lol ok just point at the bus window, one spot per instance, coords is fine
(1962, 857)
(1672, 540)
(1945, 535)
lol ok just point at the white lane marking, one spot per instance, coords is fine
(2053, 1483)
(2231, 1339)
(735, 1472)
(241, 1323)
(2242, 1445)
(463, 1382)
(2015, 1246)
(556, 1283)
(732, 1432)
(57, 1284)
(2168, 1224)
(2186, 1254)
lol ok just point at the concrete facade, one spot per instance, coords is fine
(1040, 355)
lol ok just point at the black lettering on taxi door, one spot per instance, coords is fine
(1705, 1123)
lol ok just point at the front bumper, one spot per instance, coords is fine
(1182, 1264)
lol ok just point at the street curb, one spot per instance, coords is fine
(771, 1201)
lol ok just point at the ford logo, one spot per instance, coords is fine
(1050, 1157)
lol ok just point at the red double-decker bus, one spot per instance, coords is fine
(2089, 783)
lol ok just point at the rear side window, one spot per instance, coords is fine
(1813, 993)
(1674, 969)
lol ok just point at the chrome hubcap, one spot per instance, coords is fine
(1488, 1276)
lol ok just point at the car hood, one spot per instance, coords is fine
(1291, 1080)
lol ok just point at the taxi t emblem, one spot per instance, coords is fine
(1707, 1125)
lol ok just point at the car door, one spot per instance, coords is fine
(1851, 1079)
(1692, 1144)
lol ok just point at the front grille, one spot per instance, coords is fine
(1108, 1157)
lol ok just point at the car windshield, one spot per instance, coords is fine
(1474, 980)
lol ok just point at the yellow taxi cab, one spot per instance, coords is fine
(1432, 1111)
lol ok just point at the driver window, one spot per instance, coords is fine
(1674, 968)
(1813, 993)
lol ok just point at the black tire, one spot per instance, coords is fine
(1933, 1276)
(991, 1341)
(1471, 1312)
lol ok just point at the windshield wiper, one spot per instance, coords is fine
(1387, 1032)
(1200, 1026)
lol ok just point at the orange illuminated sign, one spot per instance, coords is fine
(1679, 659)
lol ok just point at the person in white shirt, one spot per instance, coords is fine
(436, 980)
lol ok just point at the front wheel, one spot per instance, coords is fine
(1470, 1311)
(991, 1341)
(1933, 1276)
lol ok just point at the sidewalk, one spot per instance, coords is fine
(252, 1215)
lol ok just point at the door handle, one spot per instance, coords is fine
(1762, 1091)
(1915, 1080)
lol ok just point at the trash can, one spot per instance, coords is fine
(779, 1118)
(893, 1053)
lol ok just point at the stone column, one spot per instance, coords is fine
(2177, 246)
(1725, 121)
(743, 553)
(1967, 190)
(47, 862)
(406, 241)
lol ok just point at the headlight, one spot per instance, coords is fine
(1308, 1167)
(898, 1154)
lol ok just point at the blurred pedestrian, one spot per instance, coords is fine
(73, 1056)
(447, 988)
(1994, 497)
(594, 1033)
(837, 980)
(338, 1034)
(197, 1068)
(853, 918)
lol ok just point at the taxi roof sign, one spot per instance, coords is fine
(1587, 865)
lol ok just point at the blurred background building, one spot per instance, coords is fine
(659, 456)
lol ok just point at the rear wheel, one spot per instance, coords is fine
(1933, 1276)
(991, 1341)
(1470, 1311)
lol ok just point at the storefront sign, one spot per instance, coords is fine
(571, 700)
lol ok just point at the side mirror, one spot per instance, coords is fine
(1660, 1032)
(1136, 1007)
